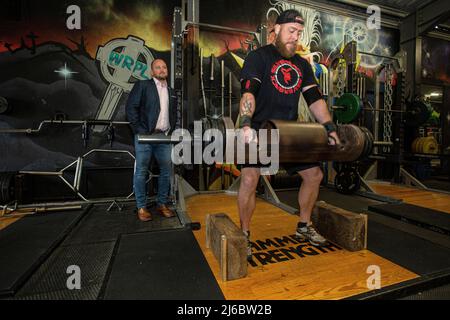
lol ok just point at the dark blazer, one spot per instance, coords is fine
(143, 107)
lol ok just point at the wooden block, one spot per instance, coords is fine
(345, 228)
(229, 245)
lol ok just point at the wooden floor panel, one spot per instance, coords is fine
(318, 275)
(6, 221)
(418, 197)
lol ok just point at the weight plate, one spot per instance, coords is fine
(229, 130)
(366, 143)
(4, 107)
(369, 140)
(7, 187)
(418, 113)
(351, 107)
(347, 181)
(430, 146)
(352, 143)
(372, 139)
(420, 145)
(414, 145)
(206, 125)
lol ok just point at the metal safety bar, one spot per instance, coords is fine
(65, 122)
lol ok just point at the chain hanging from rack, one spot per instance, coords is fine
(341, 75)
(388, 92)
(401, 133)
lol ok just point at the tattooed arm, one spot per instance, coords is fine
(246, 110)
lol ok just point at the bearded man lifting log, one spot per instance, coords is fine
(272, 79)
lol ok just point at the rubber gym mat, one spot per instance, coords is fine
(439, 293)
(438, 184)
(161, 265)
(407, 250)
(424, 217)
(25, 244)
(49, 282)
(102, 225)
(353, 203)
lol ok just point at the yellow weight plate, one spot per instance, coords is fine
(430, 146)
(414, 145)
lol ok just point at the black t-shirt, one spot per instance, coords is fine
(281, 80)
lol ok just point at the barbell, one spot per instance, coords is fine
(348, 107)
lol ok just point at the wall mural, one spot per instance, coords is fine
(51, 72)
(435, 64)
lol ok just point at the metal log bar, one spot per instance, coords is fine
(156, 139)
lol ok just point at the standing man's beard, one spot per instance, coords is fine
(282, 48)
(161, 78)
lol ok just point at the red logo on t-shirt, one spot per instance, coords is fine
(247, 84)
(286, 77)
(286, 74)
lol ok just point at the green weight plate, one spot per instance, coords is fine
(351, 107)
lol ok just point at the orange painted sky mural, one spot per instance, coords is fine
(101, 21)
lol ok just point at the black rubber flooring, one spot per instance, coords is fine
(36, 251)
(438, 184)
(165, 265)
(349, 202)
(439, 293)
(427, 218)
(407, 250)
(102, 225)
(50, 280)
(25, 244)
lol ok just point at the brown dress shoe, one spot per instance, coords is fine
(165, 211)
(144, 215)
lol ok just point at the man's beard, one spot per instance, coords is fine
(161, 78)
(282, 48)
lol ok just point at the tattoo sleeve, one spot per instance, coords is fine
(247, 105)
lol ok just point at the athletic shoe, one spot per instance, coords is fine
(310, 234)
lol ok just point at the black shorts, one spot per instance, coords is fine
(291, 168)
